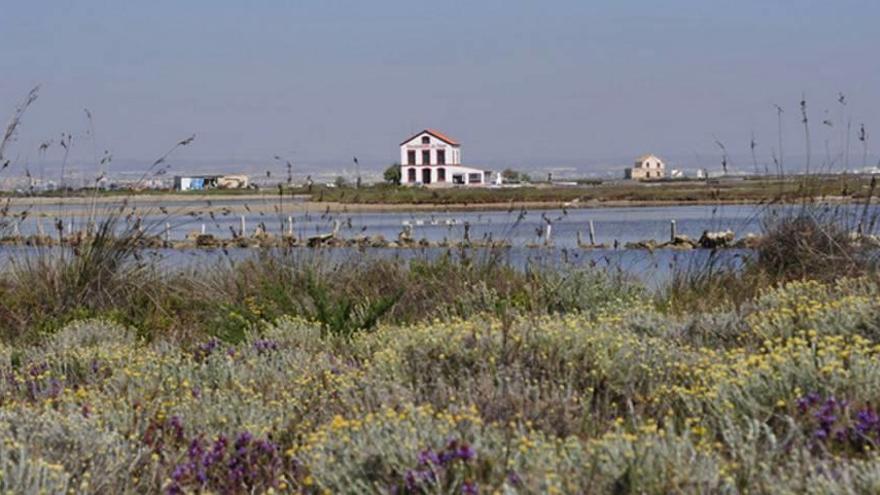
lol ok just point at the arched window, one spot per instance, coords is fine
(411, 175)
(441, 174)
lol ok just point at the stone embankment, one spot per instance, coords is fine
(261, 239)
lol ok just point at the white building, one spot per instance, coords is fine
(433, 158)
(646, 167)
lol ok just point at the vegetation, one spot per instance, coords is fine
(624, 399)
(392, 175)
(224, 299)
(790, 190)
(793, 190)
(514, 176)
(289, 373)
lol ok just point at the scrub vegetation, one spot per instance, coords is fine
(286, 372)
(738, 190)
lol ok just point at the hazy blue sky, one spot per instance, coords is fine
(520, 83)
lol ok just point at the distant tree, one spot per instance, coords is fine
(392, 174)
(511, 175)
(340, 181)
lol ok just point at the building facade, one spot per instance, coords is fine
(201, 182)
(646, 167)
(431, 158)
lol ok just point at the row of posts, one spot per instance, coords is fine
(242, 230)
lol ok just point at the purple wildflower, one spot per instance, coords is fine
(427, 457)
(469, 488)
(465, 452)
(265, 345)
(514, 478)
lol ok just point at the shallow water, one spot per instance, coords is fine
(520, 228)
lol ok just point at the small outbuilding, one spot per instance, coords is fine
(201, 182)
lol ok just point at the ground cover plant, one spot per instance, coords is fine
(625, 398)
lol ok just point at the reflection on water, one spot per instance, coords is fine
(651, 268)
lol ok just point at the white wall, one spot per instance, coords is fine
(451, 171)
(453, 153)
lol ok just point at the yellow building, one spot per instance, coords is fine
(647, 167)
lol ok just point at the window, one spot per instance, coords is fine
(475, 178)
(426, 176)
(426, 157)
(410, 175)
(426, 140)
(441, 174)
(458, 179)
(441, 157)
(411, 157)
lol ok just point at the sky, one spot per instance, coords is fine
(524, 84)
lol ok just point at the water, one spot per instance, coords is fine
(519, 228)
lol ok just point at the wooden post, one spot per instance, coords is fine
(672, 234)
(15, 231)
(548, 231)
(592, 234)
(203, 229)
(290, 226)
(167, 232)
(242, 228)
(40, 231)
(467, 232)
(580, 239)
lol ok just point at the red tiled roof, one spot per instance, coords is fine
(437, 134)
